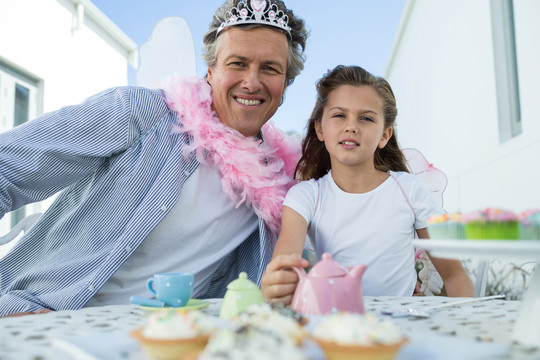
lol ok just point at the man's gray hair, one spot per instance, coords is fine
(297, 38)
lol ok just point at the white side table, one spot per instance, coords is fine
(527, 328)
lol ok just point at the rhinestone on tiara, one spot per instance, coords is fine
(263, 12)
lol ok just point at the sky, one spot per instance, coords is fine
(347, 32)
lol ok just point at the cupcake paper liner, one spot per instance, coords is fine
(446, 231)
(492, 230)
(335, 351)
(530, 232)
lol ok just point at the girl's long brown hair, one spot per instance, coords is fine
(315, 160)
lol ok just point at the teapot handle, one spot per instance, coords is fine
(300, 272)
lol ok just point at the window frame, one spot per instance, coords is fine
(506, 69)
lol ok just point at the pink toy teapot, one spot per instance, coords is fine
(329, 287)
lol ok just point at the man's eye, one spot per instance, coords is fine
(270, 68)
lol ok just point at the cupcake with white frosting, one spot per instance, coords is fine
(268, 318)
(172, 334)
(355, 336)
(247, 342)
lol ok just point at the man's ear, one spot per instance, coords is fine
(282, 95)
(209, 74)
(386, 135)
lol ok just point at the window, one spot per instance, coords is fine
(22, 105)
(506, 70)
(18, 104)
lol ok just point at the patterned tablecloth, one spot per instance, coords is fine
(102, 332)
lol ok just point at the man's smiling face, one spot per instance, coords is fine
(248, 79)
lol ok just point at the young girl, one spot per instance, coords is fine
(359, 202)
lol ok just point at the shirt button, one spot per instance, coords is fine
(91, 288)
(163, 208)
(128, 248)
(186, 172)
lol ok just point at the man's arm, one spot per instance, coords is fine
(47, 154)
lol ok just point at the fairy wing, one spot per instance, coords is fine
(169, 51)
(436, 181)
(433, 178)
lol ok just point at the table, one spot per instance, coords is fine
(41, 336)
(527, 327)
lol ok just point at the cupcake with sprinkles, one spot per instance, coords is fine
(492, 224)
(274, 319)
(249, 341)
(446, 226)
(530, 224)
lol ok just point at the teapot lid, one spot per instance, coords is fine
(328, 267)
(242, 283)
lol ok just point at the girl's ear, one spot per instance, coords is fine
(318, 130)
(386, 135)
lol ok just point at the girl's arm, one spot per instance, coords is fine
(456, 280)
(279, 281)
(293, 233)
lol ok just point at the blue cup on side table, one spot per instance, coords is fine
(174, 289)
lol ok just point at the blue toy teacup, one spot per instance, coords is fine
(174, 289)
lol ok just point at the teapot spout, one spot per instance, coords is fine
(357, 272)
(354, 282)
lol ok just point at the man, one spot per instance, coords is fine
(185, 179)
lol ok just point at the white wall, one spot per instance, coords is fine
(38, 36)
(442, 72)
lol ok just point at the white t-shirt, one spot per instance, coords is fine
(374, 228)
(197, 233)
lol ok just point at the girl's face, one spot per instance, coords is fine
(352, 126)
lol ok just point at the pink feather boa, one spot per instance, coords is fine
(253, 171)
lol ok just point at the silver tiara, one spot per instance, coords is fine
(263, 12)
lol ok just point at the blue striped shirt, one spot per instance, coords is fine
(121, 169)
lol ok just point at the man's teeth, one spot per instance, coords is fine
(348, 143)
(248, 102)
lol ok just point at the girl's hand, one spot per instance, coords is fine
(417, 291)
(279, 280)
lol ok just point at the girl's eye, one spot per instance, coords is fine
(338, 115)
(367, 118)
